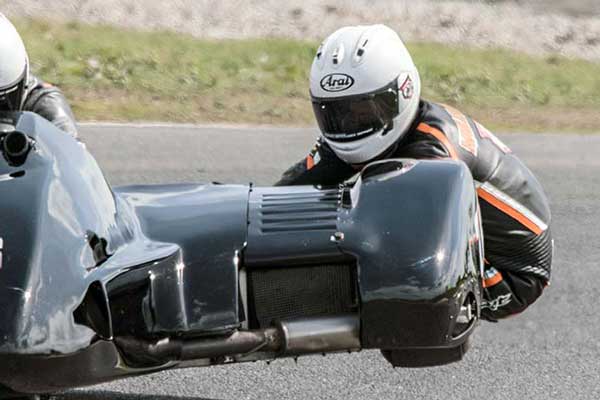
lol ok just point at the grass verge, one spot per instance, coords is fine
(117, 75)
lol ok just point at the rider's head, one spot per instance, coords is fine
(14, 67)
(365, 91)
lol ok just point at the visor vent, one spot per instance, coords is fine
(338, 55)
(360, 51)
(319, 52)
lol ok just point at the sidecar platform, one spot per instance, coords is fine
(98, 283)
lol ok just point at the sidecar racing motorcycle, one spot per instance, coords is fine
(101, 283)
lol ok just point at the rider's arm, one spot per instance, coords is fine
(320, 167)
(514, 208)
(49, 102)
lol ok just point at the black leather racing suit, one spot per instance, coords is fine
(514, 208)
(49, 102)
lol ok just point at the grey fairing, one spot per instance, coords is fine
(49, 208)
(409, 238)
(208, 222)
(410, 226)
(413, 228)
(179, 246)
(83, 264)
(292, 225)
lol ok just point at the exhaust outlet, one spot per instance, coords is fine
(319, 335)
(16, 146)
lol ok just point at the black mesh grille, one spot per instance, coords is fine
(306, 291)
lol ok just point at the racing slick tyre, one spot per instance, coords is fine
(418, 358)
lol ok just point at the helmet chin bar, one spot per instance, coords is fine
(351, 136)
(387, 153)
(347, 150)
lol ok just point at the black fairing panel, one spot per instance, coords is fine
(52, 207)
(412, 230)
(208, 222)
(78, 265)
(69, 244)
(292, 225)
(81, 264)
(411, 226)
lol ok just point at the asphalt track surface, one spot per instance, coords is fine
(552, 351)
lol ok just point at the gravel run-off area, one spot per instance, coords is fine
(531, 26)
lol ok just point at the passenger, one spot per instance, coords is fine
(365, 92)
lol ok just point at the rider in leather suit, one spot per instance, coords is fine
(363, 117)
(20, 91)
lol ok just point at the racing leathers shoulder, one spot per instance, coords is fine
(514, 209)
(49, 102)
(320, 167)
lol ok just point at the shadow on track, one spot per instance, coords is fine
(108, 395)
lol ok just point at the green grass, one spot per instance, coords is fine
(112, 74)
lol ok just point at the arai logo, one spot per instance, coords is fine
(336, 82)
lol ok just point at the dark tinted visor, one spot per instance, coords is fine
(353, 117)
(11, 98)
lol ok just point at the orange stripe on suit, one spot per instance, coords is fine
(439, 135)
(507, 209)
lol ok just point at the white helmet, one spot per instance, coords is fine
(365, 91)
(14, 67)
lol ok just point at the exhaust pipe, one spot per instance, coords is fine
(16, 146)
(237, 343)
(285, 339)
(319, 335)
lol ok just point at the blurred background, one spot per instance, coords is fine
(515, 65)
(530, 65)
